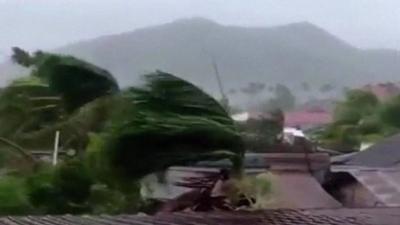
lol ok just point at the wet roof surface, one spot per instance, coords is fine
(383, 154)
(380, 216)
(383, 183)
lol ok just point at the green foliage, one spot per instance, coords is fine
(99, 163)
(71, 188)
(77, 81)
(341, 137)
(105, 200)
(365, 101)
(390, 112)
(371, 125)
(357, 105)
(256, 189)
(73, 181)
(169, 122)
(361, 118)
(21, 57)
(20, 110)
(64, 189)
(346, 114)
(13, 197)
(139, 131)
(60, 94)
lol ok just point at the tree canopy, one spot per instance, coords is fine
(120, 135)
(361, 117)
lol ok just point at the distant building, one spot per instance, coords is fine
(308, 118)
(253, 115)
(304, 118)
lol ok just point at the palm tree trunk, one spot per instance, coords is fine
(28, 156)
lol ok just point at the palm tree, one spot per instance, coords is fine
(169, 122)
(62, 93)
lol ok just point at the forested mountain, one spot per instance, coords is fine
(289, 54)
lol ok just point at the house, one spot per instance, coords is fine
(304, 118)
(245, 116)
(295, 175)
(308, 118)
(370, 178)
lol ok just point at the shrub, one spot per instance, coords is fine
(13, 197)
(64, 189)
(105, 200)
(256, 189)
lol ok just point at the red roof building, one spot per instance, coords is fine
(308, 118)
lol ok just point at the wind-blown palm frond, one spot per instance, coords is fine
(164, 92)
(77, 81)
(19, 112)
(55, 98)
(74, 129)
(171, 122)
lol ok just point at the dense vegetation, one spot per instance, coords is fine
(361, 118)
(119, 136)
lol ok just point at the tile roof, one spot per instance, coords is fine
(380, 216)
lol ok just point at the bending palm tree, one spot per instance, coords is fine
(169, 122)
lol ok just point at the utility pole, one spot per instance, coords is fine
(224, 100)
(56, 145)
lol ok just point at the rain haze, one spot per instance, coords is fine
(257, 111)
(46, 24)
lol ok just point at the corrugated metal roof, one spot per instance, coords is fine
(383, 183)
(383, 154)
(383, 216)
(300, 191)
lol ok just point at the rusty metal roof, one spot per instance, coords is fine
(383, 183)
(299, 191)
(381, 216)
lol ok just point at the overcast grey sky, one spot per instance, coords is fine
(46, 24)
